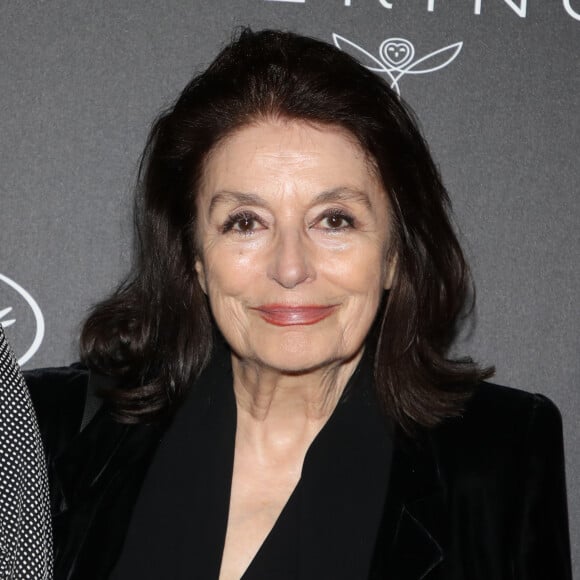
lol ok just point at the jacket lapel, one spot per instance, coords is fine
(410, 539)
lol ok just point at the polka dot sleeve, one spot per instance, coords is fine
(25, 533)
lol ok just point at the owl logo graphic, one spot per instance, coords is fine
(397, 58)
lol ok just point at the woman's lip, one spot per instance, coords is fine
(282, 315)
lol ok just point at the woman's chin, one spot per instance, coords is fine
(293, 366)
(296, 353)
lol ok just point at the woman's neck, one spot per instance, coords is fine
(278, 412)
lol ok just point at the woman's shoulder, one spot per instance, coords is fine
(501, 427)
(58, 390)
(502, 465)
(58, 380)
(507, 409)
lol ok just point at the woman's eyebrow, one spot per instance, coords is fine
(336, 194)
(235, 197)
(343, 194)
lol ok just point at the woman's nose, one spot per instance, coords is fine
(290, 263)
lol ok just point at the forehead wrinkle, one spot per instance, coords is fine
(238, 197)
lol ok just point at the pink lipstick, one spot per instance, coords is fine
(284, 315)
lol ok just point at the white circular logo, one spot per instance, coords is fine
(16, 313)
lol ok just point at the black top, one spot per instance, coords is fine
(480, 496)
(179, 523)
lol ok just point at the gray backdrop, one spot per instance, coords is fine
(494, 82)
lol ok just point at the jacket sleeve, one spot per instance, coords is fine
(542, 537)
(58, 396)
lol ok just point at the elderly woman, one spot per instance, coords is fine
(277, 398)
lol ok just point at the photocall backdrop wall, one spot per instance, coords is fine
(495, 84)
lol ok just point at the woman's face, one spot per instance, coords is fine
(294, 235)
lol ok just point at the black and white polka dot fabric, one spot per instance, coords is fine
(25, 533)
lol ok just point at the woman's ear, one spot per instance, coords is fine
(200, 270)
(391, 270)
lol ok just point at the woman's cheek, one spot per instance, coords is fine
(231, 275)
(357, 268)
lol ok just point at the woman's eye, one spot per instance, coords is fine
(337, 221)
(243, 223)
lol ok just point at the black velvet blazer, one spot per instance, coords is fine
(481, 497)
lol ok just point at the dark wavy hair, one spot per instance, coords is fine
(155, 332)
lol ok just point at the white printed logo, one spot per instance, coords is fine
(9, 318)
(397, 58)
